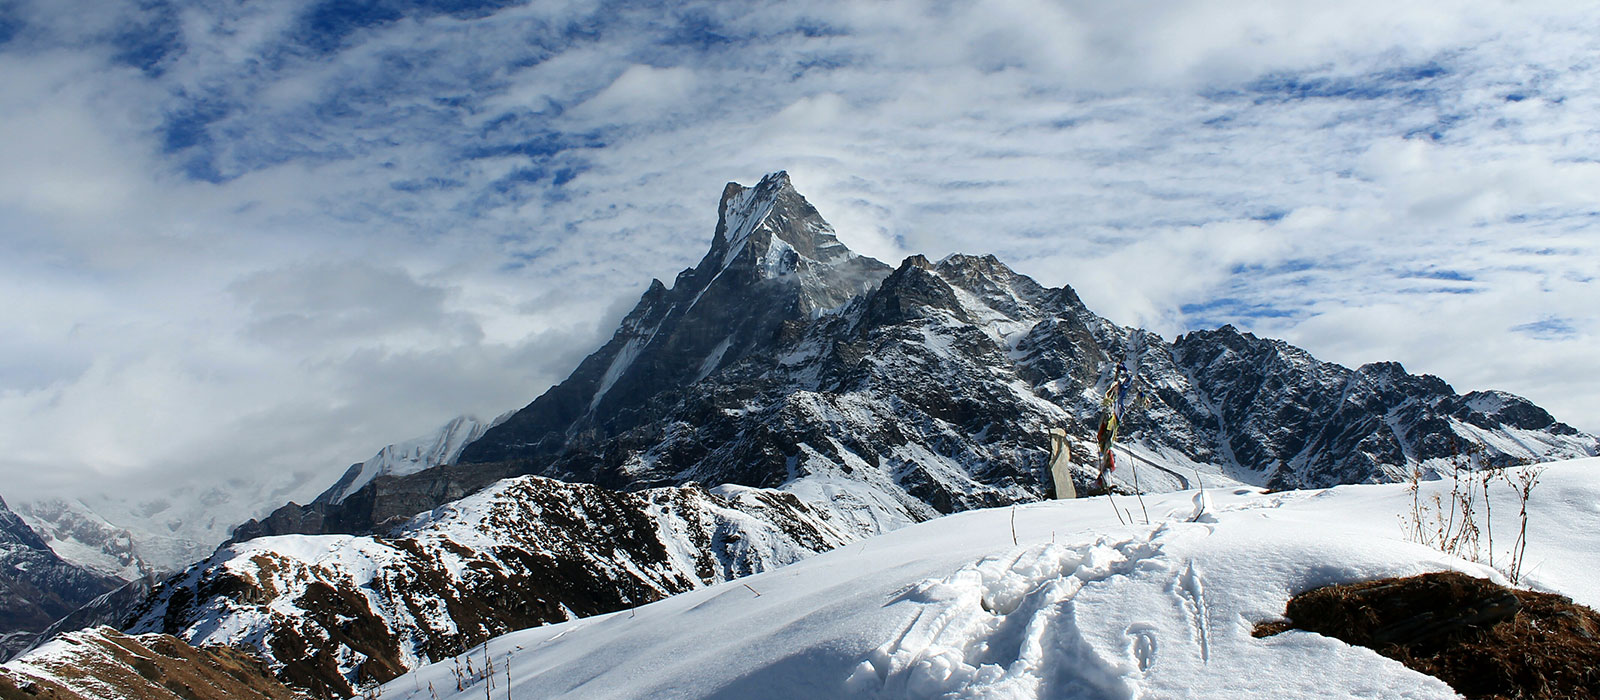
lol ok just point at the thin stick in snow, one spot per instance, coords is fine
(1013, 525)
(1139, 493)
(752, 590)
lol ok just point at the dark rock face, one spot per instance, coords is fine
(773, 261)
(36, 587)
(331, 612)
(783, 360)
(1297, 422)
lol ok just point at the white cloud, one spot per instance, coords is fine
(444, 214)
(641, 93)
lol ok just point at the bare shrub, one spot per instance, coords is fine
(1451, 524)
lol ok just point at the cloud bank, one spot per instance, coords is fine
(265, 237)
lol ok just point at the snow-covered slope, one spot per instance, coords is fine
(1050, 599)
(79, 535)
(331, 611)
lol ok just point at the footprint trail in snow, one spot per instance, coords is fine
(1017, 625)
(1117, 617)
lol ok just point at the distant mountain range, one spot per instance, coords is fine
(783, 397)
(36, 586)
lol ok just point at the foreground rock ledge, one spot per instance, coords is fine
(1485, 640)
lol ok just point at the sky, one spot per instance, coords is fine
(246, 238)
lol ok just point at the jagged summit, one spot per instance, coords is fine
(771, 233)
(773, 261)
(14, 533)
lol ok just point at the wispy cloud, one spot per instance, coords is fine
(292, 232)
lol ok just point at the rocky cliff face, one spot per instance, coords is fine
(1288, 420)
(774, 266)
(36, 586)
(333, 611)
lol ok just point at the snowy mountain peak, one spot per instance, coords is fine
(773, 262)
(36, 586)
(15, 533)
(441, 447)
(770, 232)
(77, 534)
(744, 209)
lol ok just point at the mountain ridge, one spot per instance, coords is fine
(721, 377)
(847, 398)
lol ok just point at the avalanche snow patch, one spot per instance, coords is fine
(1079, 607)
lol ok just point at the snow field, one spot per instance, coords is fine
(1079, 607)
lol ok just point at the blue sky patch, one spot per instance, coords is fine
(190, 126)
(1549, 328)
(1224, 310)
(697, 30)
(326, 27)
(1289, 266)
(10, 24)
(1451, 275)
(1410, 83)
(146, 44)
(426, 184)
(1439, 290)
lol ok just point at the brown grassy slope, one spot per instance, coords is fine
(102, 663)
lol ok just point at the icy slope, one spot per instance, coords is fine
(79, 535)
(1079, 607)
(331, 611)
